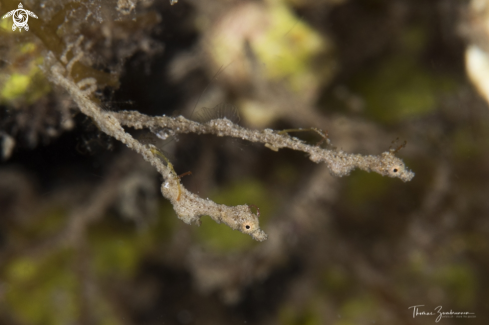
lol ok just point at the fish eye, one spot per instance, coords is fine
(394, 170)
(247, 227)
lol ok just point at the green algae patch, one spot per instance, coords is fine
(459, 282)
(289, 47)
(357, 310)
(115, 252)
(399, 89)
(23, 82)
(268, 40)
(22, 269)
(290, 316)
(16, 86)
(43, 291)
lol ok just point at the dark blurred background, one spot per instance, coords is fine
(87, 238)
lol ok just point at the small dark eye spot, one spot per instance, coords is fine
(395, 170)
(247, 227)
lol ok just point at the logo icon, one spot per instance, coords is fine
(20, 16)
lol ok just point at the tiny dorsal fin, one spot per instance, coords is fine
(219, 111)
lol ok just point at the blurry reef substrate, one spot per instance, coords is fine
(87, 238)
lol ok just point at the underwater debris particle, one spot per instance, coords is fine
(163, 133)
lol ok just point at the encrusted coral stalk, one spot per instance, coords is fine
(188, 206)
(339, 163)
